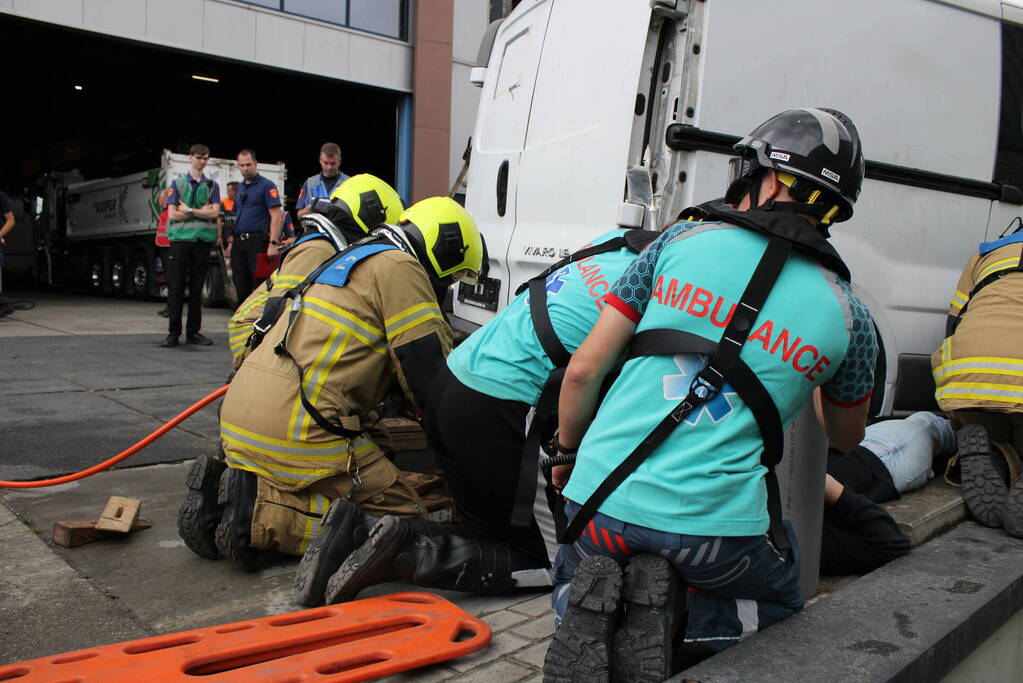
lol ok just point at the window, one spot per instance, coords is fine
(334, 11)
(1009, 160)
(383, 17)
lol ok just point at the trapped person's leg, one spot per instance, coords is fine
(907, 447)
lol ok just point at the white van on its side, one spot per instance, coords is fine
(626, 111)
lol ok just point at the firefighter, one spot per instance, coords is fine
(730, 323)
(357, 206)
(294, 422)
(978, 372)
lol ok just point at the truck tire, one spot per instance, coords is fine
(119, 279)
(213, 288)
(95, 273)
(141, 274)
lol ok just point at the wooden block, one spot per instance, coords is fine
(75, 533)
(119, 514)
(403, 434)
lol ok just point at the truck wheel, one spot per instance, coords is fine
(96, 273)
(119, 281)
(213, 287)
(141, 275)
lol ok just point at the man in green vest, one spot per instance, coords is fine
(192, 211)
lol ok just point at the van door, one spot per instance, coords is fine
(497, 143)
(573, 165)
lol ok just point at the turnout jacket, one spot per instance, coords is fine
(298, 261)
(347, 340)
(980, 364)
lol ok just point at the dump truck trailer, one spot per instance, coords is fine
(100, 234)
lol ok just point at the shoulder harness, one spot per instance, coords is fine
(546, 407)
(787, 233)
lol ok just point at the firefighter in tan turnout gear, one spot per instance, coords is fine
(294, 421)
(357, 206)
(978, 371)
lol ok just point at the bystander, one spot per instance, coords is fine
(257, 210)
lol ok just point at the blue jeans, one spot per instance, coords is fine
(906, 447)
(737, 585)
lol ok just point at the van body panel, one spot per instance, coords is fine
(922, 79)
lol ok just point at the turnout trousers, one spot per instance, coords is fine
(286, 521)
(478, 442)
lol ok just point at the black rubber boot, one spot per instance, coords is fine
(1013, 513)
(345, 527)
(643, 644)
(428, 554)
(237, 498)
(984, 485)
(200, 512)
(581, 648)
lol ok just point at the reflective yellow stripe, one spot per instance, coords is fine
(958, 300)
(411, 317)
(1004, 264)
(988, 365)
(1002, 393)
(320, 373)
(318, 505)
(297, 478)
(299, 414)
(338, 317)
(309, 451)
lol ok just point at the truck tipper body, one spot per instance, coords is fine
(101, 233)
(626, 112)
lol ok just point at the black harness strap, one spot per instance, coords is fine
(953, 321)
(272, 311)
(706, 385)
(543, 415)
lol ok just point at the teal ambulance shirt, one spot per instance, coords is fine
(706, 479)
(504, 358)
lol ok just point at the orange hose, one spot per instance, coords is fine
(194, 408)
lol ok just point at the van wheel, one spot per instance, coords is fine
(141, 275)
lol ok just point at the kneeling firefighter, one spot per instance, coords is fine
(489, 410)
(358, 205)
(294, 421)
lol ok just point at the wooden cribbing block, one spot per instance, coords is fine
(76, 533)
(119, 514)
(403, 434)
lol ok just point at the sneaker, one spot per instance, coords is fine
(642, 645)
(196, 338)
(170, 342)
(199, 514)
(581, 648)
(345, 527)
(984, 488)
(237, 498)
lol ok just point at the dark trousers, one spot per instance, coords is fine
(245, 246)
(478, 441)
(187, 264)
